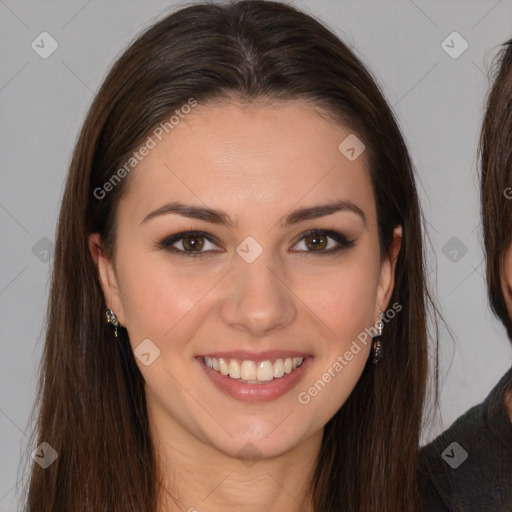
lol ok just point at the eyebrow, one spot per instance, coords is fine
(222, 218)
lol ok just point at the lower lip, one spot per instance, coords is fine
(265, 392)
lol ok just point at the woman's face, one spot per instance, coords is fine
(258, 287)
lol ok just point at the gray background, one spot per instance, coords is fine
(438, 100)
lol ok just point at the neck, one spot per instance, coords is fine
(195, 476)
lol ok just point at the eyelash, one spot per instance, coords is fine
(167, 243)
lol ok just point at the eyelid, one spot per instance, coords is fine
(168, 241)
(342, 240)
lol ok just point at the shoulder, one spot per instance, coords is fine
(469, 466)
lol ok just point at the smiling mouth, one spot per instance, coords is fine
(253, 372)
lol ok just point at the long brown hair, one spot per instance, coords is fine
(92, 408)
(495, 151)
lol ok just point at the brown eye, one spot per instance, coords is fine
(197, 243)
(193, 243)
(323, 242)
(189, 243)
(316, 242)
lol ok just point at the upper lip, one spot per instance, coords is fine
(256, 356)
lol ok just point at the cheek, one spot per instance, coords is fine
(155, 297)
(344, 296)
(506, 280)
(346, 306)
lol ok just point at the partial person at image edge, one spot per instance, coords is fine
(469, 466)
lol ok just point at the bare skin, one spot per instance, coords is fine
(257, 164)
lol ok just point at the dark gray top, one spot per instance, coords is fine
(469, 466)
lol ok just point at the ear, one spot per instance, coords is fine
(506, 279)
(107, 277)
(387, 272)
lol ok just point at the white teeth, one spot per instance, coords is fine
(278, 368)
(224, 367)
(234, 369)
(248, 370)
(252, 371)
(265, 371)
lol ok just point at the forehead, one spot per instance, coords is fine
(257, 158)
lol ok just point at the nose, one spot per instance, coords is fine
(258, 299)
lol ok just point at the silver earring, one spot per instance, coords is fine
(377, 341)
(112, 319)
